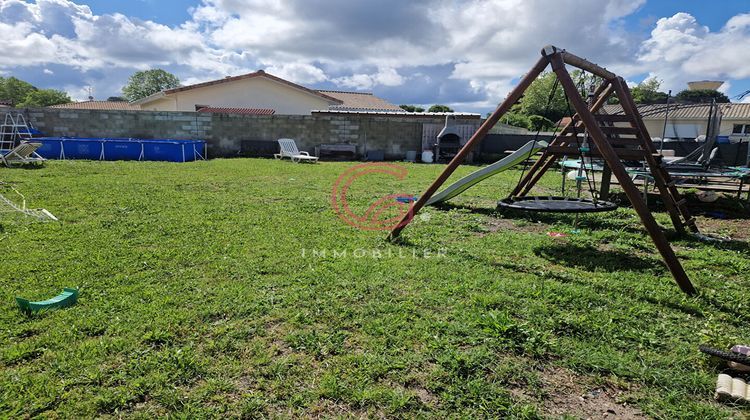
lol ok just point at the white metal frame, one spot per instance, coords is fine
(8, 206)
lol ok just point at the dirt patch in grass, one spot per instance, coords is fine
(504, 225)
(563, 392)
(737, 229)
(326, 408)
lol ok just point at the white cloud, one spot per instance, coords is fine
(458, 51)
(725, 88)
(681, 50)
(385, 76)
(62, 32)
(301, 73)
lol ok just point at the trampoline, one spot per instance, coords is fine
(556, 204)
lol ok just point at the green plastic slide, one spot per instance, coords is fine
(463, 184)
(67, 298)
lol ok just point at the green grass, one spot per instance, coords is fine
(221, 288)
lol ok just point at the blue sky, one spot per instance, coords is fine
(168, 12)
(712, 14)
(465, 53)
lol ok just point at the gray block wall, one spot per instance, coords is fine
(224, 133)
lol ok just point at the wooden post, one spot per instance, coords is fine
(667, 195)
(504, 107)
(610, 156)
(579, 62)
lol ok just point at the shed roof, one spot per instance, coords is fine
(360, 101)
(103, 105)
(243, 111)
(461, 115)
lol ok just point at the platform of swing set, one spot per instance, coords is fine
(613, 138)
(726, 180)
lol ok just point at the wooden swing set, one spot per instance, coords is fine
(615, 138)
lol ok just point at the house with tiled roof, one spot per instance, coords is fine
(105, 105)
(256, 91)
(688, 121)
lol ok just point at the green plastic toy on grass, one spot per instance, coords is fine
(67, 298)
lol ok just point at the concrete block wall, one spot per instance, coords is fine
(224, 133)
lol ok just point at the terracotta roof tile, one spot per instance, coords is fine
(104, 105)
(243, 111)
(360, 101)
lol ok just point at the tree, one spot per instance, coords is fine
(516, 119)
(411, 108)
(647, 92)
(701, 96)
(439, 108)
(539, 108)
(145, 83)
(44, 97)
(537, 96)
(116, 99)
(14, 90)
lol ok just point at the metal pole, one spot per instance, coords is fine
(709, 124)
(478, 136)
(664, 130)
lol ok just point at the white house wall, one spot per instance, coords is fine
(255, 92)
(688, 126)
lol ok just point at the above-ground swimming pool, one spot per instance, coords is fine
(121, 149)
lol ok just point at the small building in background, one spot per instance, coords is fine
(688, 121)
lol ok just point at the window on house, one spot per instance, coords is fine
(737, 129)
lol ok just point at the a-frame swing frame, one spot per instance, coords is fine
(612, 142)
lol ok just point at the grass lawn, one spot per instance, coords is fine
(230, 288)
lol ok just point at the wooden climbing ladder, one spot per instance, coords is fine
(613, 138)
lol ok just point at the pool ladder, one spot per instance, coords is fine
(13, 130)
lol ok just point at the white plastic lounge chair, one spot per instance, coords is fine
(288, 148)
(24, 153)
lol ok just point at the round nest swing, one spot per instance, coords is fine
(556, 204)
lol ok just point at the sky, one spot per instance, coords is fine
(467, 54)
